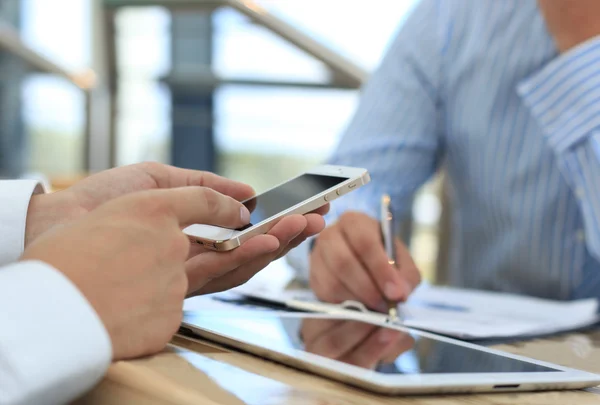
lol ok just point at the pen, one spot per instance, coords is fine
(387, 232)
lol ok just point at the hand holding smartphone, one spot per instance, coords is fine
(300, 195)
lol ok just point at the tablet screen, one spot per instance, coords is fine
(362, 344)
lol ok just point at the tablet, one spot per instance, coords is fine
(380, 358)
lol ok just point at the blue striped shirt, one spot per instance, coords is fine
(479, 86)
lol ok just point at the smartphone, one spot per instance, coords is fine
(299, 195)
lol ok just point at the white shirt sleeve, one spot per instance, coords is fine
(14, 203)
(53, 345)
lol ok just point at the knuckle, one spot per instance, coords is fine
(150, 206)
(365, 241)
(350, 217)
(211, 201)
(150, 166)
(356, 219)
(341, 261)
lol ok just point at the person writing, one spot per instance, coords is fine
(506, 95)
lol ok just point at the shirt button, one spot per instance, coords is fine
(580, 234)
(579, 193)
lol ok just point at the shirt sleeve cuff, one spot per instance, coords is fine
(14, 199)
(564, 96)
(53, 345)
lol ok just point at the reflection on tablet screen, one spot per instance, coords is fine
(364, 345)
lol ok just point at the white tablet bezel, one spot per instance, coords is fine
(565, 378)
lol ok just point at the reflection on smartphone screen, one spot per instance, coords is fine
(287, 195)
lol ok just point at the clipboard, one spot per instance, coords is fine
(464, 314)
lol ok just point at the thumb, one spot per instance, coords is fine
(203, 205)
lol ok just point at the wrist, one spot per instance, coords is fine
(46, 211)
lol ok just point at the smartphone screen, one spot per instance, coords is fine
(287, 195)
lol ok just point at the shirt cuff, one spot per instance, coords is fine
(564, 96)
(14, 200)
(53, 345)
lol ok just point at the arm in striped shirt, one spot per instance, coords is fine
(394, 132)
(564, 97)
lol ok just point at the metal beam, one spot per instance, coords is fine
(204, 79)
(345, 72)
(171, 4)
(11, 42)
(350, 73)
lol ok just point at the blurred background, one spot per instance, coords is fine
(257, 91)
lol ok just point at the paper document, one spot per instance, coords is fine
(473, 314)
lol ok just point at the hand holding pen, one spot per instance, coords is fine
(350, 262)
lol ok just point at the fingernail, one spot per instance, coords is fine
(244, 214)
(392, 291)
(386, 335)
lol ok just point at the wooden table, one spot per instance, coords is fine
(218, 376)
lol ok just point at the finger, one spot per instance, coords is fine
(363, 234)
(288, 229)
(167, 176)
(207, 266)
(326, 286)
(250, 203)
(285, 230)
(371, 351)
(407, 268)
(340, 341)
(322, 210)
(200, 205)
(342, 263)
(314, 224)
(292, 245)
(403, 344)
(196, 249)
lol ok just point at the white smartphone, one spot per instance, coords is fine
(299, 195)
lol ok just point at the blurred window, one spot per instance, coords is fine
(53, 109)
